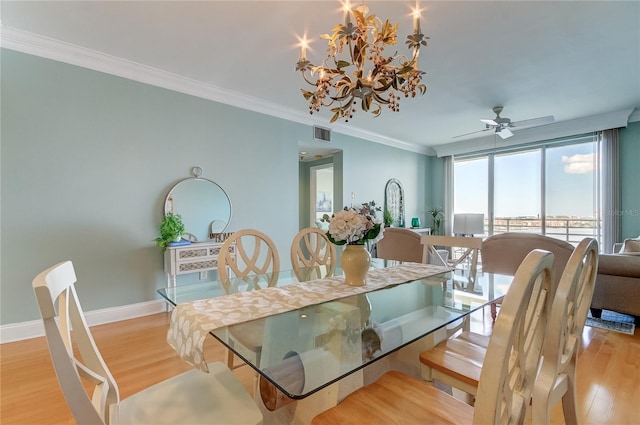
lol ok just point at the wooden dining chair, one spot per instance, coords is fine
(458, 361)
(192, 397)
(313, 256)
(557, 378)
(255, 254)
(507, 378)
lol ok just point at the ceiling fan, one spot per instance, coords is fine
(502, 125)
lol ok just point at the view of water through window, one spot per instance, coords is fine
(546, 190)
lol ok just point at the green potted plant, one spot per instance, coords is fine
(437, 215)
(387, 218)
(171, 230)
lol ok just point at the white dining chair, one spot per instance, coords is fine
(313, 256)
(507, 378)
(458, 361)
(557, 378)
(193, 397)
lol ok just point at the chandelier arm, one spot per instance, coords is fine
(304, 77)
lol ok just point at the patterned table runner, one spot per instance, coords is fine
(192, 321)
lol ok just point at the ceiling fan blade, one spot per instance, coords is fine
(489, 122)
(468, 134)
(505, 133)
(533, 122)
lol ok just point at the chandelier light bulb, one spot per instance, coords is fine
(357, 69)
(303, 47)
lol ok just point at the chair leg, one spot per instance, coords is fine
(494, 311)
(426, 373)
(569, 398)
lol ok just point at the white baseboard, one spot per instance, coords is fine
(34, 329)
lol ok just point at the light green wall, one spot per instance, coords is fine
(88, 158)
(630, 178)
(435, 188)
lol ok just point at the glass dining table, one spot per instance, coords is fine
(305, 350)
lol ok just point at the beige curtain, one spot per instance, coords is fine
(609, 189)
(447, 228)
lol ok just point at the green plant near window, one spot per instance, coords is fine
(387, 218)
(171, 230)
(437, 216)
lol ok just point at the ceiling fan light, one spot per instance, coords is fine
(505, 133)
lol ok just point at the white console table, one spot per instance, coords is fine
(421, 230)
(198, 257)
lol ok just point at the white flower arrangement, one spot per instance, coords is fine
(355, 226)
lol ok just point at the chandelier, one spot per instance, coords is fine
(357, 68)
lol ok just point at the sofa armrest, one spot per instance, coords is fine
(619, 265)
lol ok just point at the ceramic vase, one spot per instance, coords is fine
(355, 261)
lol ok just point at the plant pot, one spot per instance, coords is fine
(355, 261)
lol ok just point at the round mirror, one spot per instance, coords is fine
(204, 206)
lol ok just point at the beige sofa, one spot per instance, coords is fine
(618, 282)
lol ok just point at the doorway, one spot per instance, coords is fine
(321, 193)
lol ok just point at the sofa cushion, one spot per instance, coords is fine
(630, 246)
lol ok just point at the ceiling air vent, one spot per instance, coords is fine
(322, 134)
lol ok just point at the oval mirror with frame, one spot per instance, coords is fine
(204, 206)
(394, 201)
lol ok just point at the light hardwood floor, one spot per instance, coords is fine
(138, 356)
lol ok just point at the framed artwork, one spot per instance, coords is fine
(394, 201)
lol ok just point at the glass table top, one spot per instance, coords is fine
(304, 350)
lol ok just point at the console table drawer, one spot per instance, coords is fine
(197, 266)
(195, 258)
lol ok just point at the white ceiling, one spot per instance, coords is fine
(569, 59)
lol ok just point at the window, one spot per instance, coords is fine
(517, 183)
(470, 186)
(548, 188)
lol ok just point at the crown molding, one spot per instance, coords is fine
(555, 130)
(49, 48)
